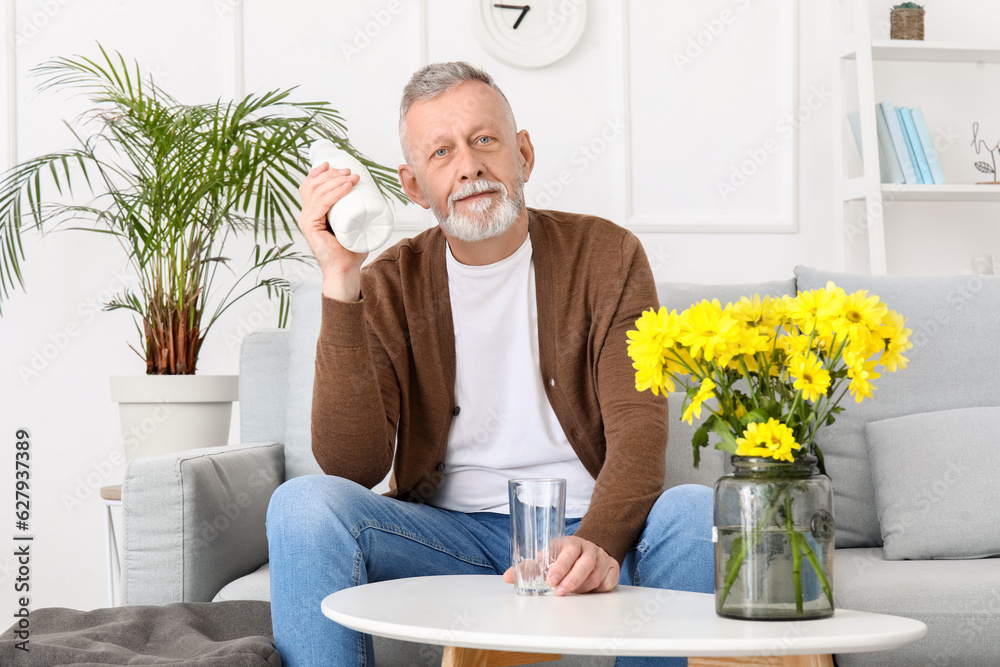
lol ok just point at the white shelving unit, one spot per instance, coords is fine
(864, 51)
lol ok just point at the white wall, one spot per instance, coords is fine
(55, 330)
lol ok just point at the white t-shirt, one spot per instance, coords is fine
(505, 428)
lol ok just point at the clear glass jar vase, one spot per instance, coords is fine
(774, 540)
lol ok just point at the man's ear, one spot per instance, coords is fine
(526, 153)
(408, 179)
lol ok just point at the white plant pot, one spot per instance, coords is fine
(170, 413)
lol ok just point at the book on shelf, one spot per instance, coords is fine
(928, 144)
(905, 149)
(924, 171)
(884, 138)
(899, 143)
(888, 163)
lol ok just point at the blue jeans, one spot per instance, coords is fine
(327, 533)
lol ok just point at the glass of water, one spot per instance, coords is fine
(537, 524)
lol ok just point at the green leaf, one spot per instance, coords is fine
(736, 555)
(699, 440)
(771, 407)
(758, 415)
(722, 429)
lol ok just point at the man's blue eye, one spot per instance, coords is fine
(484, 140)
(439, 152)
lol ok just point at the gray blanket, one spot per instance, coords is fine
(234, 633)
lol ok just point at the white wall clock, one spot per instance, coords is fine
(529, 35)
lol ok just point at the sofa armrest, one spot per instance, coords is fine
(194, 520)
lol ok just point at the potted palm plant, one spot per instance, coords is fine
(172, 183)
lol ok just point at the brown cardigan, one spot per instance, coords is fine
(385, 370)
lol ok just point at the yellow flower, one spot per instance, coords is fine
(815, 309)
(707, 330)
(810, 377)
(766, 313)
(773, 439)
(860, 316)
(751, 341)
(647, 347)
(794, 344)
(897, 341)
(861, 372)
(653, 378)
(705, 392)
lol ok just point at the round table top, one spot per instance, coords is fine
(481, 611)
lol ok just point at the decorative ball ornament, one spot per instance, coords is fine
(528, 35)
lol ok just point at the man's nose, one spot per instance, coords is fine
(469, 163)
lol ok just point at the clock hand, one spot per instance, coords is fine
(524, 10)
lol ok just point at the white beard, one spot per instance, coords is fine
(480, 223)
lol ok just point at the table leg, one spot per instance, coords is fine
(110, 546)
(765, 661)
(456, 656)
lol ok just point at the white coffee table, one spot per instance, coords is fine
(480, 621)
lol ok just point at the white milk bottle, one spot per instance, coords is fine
(363, 220)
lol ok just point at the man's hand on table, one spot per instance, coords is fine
(582, 567)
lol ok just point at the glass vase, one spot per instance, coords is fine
(774, 538)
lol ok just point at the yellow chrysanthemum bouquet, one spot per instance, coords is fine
(770, 373)
(796, 355)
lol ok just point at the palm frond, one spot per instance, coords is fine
(171, 182)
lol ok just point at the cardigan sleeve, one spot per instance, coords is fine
(355, 397)
(635, 423)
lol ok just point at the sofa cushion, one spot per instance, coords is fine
(253, 586)
(956, 350)
(958, 600)
(934, 487)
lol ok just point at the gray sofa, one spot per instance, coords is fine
(912, 470)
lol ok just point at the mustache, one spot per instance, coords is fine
(476, 187)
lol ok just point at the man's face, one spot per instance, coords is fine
(467, 163)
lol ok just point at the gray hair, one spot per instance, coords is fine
(436, 79)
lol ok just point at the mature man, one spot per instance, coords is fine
(488, 348)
